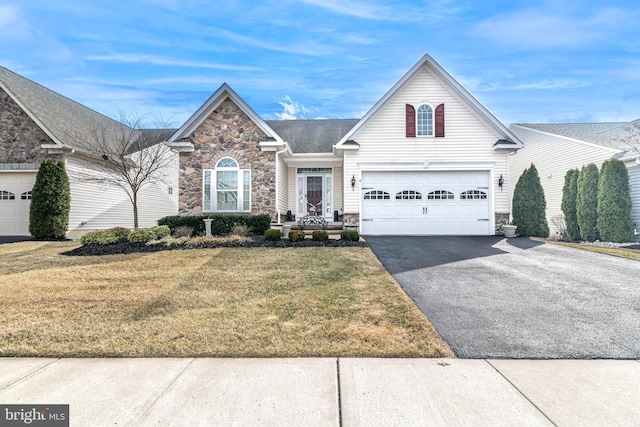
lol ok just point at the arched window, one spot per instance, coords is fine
(26, 195)
(408, 195)
(376, 195)
(440, 195)
(425, 120)
(473, 195)
(227, 187)
(7, 195)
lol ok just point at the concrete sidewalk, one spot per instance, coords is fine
(329, 391)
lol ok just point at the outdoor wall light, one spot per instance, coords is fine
(500, 182)
(353, 183)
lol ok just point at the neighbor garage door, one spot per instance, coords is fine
(426, 203)
(15, 196)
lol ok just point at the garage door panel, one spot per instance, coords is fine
(420, 203)
(14, 214)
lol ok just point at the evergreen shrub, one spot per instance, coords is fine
(529, 205)
(614, 203)
(50, 202)
(587, 202)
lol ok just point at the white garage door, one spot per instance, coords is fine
(426, 203)
(15, 197)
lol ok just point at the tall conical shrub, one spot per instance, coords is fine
(587, 202)
(50, 202)
(569, 195)
(529, 205)
(614, 203)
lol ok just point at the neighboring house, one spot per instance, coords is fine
(428, 158)
(557, 148)
(37, 123)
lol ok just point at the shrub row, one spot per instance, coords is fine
(597, 205)
(117, 234)
(317, 235)
(222, 224)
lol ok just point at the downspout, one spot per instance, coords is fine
(509, 154)
(277, 183)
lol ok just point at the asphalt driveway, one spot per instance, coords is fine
(490, 297)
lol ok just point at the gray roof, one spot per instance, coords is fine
(66, 121)
(312, 136)
(607, 134)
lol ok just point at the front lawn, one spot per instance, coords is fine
(622, 252)
(224, 302)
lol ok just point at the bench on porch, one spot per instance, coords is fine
(312, 221)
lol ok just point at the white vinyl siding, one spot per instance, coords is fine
(283, 187)
(338, 178)
(291, 190)
(468, 144)
(552, 156)
(634, 184)
(99, 207)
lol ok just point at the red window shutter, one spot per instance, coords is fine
(411, 121)
(439, 116)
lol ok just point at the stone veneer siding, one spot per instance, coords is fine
(20, 136)
(228, 132)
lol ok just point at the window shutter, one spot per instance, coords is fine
(411, 121)
(439, 117)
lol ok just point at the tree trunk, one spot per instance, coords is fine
(135, 210)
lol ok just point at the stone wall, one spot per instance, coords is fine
(20, 136)
(228, 132)
(501, 220)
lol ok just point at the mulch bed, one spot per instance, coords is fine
(125, 247)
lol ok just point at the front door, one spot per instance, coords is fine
(314, 195)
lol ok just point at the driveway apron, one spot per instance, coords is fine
(491, 297)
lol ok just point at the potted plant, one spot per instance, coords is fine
(509, 230)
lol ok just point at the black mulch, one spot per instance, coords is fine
(125, 247)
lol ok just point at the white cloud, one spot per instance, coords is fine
(8, 15)
(437, 10)
(311, 48)
(547, 28)
(291, 110)
(156, 60)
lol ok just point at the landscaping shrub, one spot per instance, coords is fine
(587, 202)
(529, 205)
(222, 223)
(296, 235)
(614, 203)
(352, 235)
(146, 235)
(320, 236)
(183, 231)
(272, 234)
(240, 230)
(50, 202)
(141, 235)
(105, 237)
(569, 195)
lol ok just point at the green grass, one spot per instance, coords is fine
(226, 302)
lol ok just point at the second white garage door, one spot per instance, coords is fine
(15, 198)
(426, 203)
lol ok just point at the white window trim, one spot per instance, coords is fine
(433, 119)
(213, 188)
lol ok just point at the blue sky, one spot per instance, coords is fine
(526, 61)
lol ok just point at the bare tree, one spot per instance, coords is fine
(129, 155)
(631, 137)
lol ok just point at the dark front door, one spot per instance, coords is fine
(314, 195)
